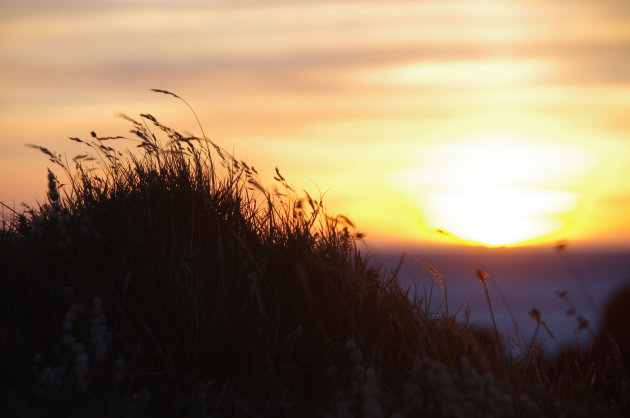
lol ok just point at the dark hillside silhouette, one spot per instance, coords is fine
(171, 282)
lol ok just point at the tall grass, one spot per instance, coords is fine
(169, 281)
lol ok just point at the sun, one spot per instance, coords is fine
(495, 188)
(496, 216)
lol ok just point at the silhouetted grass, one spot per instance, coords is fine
(170, 282)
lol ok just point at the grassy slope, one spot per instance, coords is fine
(171, 283)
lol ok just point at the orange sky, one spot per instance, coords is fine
(499, 121)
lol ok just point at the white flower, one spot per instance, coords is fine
(81, 368)
(100, 335)
(70, 317)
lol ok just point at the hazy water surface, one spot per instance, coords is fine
(520, 280)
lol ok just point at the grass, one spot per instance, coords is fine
(168, 281)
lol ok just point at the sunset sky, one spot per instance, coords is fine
(500, 122)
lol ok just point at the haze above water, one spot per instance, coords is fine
(520, 279)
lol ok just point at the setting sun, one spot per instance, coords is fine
(496, 121)
(496, 188)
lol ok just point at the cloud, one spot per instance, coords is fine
(306, 48)
(122, 39)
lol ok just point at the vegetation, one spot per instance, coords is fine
(170, 282)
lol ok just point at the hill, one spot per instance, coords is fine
(169, 282)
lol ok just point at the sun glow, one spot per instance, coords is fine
(475, 72)
(496, 188)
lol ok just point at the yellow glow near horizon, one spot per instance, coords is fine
(475, 72)
(496, 188)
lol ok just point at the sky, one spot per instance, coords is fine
(496, 122)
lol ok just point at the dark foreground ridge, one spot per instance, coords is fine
(170, 282)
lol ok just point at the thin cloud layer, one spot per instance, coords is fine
(317, 74)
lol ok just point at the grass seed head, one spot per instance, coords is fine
(482, 276)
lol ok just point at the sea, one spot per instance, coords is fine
(569, 289)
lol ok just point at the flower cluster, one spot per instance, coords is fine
(53, 193)
(81, 357)
(48, 379)
(59, 218)
(71, 362)
(363, 398)
(436, 391)
(100, 336)
(432, 390)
